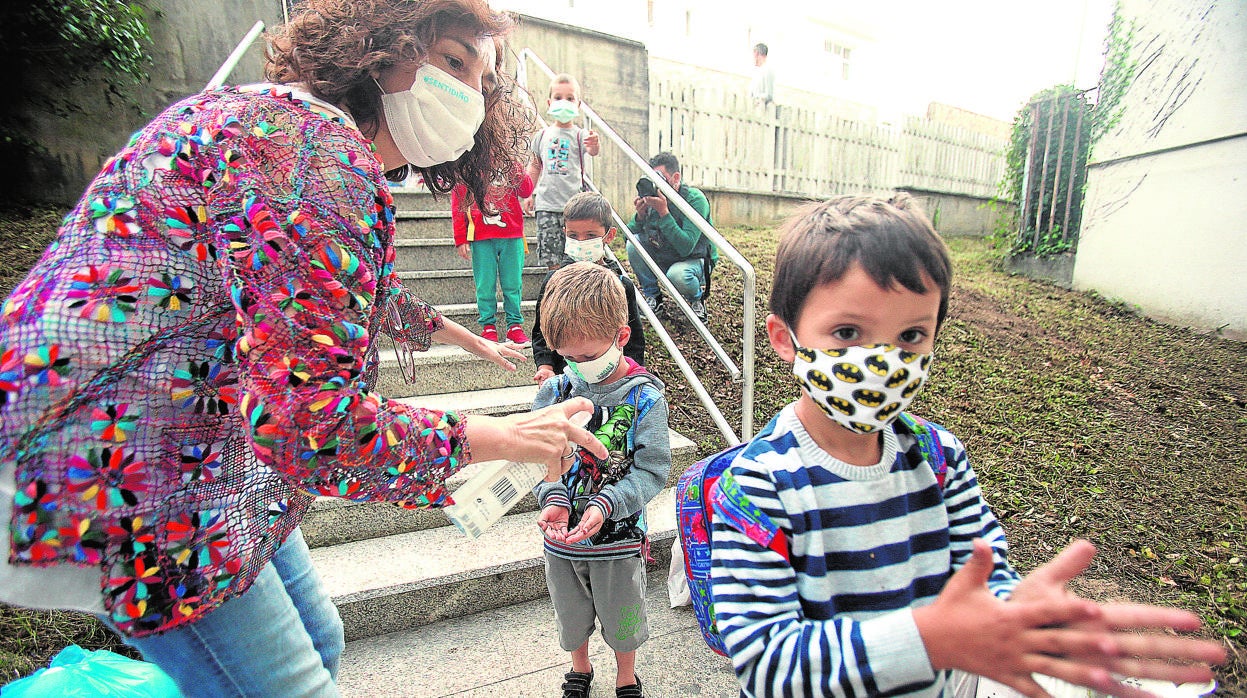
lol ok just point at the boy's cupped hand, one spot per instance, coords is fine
(1046, 629)
(589, 525)
(553, 523)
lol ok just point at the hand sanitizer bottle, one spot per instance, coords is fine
(490, 494)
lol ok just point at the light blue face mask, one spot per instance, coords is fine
(563, 110)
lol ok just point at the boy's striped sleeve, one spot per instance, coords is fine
(969, 517)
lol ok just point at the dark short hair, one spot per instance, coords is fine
(892, 239)
(665, 160)
(588, 206)
(760, 48)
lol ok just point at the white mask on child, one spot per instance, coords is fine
(563, 110)
(436, 120)
(599, 369)
(862, 388)
(591, 250)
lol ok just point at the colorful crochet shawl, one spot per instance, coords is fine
(191, 361)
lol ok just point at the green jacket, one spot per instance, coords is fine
(673, 237)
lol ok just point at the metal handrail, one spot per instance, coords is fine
(232, 61)
(745, 374)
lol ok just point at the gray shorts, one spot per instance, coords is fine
(613, 591)
(550, 237)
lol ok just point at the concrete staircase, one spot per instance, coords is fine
(391, 570)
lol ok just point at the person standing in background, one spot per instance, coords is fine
(762, 87)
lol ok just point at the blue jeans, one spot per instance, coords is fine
(283, 637)
(687, 275)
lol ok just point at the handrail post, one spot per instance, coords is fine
(231, 62)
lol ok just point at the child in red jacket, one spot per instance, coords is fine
(497, 252)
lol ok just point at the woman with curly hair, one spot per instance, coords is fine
(193, 360)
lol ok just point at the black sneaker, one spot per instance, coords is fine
(576, 684)
(654, 303)
(633, 691)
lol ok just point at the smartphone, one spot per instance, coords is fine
(646, 187)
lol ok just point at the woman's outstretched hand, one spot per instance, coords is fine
(501, 354)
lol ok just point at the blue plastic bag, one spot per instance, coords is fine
(78, 673)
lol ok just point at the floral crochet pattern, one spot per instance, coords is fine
(191, 362)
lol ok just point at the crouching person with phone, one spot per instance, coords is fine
(674, 242)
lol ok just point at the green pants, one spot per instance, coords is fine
(499, 260)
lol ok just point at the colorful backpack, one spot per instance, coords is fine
(695, 492)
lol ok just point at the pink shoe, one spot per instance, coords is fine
(490, 332)
(515, 333)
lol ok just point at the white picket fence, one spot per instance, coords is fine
(807, 145)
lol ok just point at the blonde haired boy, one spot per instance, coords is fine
(593, 519)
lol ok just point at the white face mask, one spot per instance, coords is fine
(591, 250)
(599, 369)
(436, 120)
(563, 110)
(861, 388)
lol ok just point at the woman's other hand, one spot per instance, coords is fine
(542, 436)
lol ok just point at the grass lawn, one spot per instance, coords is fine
(1082, 420)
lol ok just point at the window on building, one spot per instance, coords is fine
(841, 53)
(649, 11)
(688, 23)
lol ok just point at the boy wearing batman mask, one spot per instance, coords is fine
(843, 562)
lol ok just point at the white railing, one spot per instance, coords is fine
(808, 148)
(744, 374)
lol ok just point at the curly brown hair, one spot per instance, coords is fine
(334, 47)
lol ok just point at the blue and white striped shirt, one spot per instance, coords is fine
(867, 545)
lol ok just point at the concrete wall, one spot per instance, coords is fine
(191, 39)
(614, 78)
(957, 214)
(1165, 221)
(734, 207)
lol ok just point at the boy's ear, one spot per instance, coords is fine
(781, 341)
(610, 235)
(625, 333)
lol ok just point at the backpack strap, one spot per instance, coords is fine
(929, 443)
(743, 515)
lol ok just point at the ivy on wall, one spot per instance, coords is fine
(53, 48)
(1062, 124)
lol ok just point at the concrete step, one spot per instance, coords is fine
(465, 314)
(332, 520)
(417, 224)
(514, 651)
(448, 368)
(423, 254)
(399, 582)
(451, 286)
(411, 225)
(417, 198)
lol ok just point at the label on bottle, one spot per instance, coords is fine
(491, 493)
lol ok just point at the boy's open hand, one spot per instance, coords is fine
(1055, 634)
(1145, 655)
(590, 524)
(553, 523)
(464, 250)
